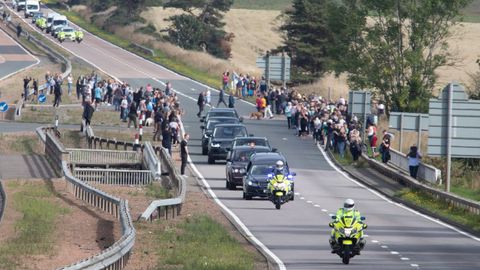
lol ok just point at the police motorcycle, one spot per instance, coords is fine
(78, 36)
(347, 235)
(280, 189)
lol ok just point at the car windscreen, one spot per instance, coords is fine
(213, 122)
(32, 7)
(59, 22)
(261, 169)
(230, 132)
(243, 155)
(250, 141)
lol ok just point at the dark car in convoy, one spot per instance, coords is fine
(208, 128)
(220, 112)
(237, 161)
(222, 138)
(252, 141)
(259, 170)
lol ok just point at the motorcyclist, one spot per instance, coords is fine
(78, 35)
(278, 178)
(348, 209)
(278, 168)
(61, 36)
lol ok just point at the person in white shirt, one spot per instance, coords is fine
(208, 97)
(69, 83)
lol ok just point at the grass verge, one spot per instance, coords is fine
(201, 243)
(20, 144)
(35, 229)
(441, 208)
(155, 190)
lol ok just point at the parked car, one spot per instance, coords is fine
(255, 141)
(220, 112)
(237, 160)
(222, 138)
(207, 129)
(259, 170)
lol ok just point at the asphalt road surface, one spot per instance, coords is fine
(398, 238)
(13, 57)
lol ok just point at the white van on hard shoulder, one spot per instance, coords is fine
(31, 6)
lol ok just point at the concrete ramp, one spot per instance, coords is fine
(25, 167)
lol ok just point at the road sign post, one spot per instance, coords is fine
(42, 98)
(275, 68)
(359, 104)
(454, 125)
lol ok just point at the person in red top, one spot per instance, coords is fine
(259, 103)
(225, 79)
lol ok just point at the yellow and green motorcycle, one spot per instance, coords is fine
(347, 235)
(279, 190)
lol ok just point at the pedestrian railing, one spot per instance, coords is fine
(103, 157)
(425, 172)
(160, 208)
(114, 176)
(116, 256)
(150, 160)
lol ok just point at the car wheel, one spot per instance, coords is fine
(227, 184)
(231, 186)
(204, 151)
(211, 160)
(244, 197)
(247, 197)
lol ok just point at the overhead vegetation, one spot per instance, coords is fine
(390, 46)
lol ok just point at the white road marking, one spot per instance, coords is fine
(394, 252)
(285, 139)
(316, 205)
(392, 202)
(414, 265)
(404, 259)
(325, 210)
(374, 241)
(302, 198)
(384, 246)
(297, 193)
(309, 202)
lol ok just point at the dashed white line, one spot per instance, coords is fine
(309, 202)
(374, 241)
(302, 198)
(384, 246)
(297, 193)
(405, 259)
(394, 252)
(414, 265)
(316, 205)
(324, 210)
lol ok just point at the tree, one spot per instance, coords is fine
(392, 46)
(306, 37)
(201, 27)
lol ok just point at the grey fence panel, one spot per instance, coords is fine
(94, 156)
(113, 176)
(425, 172)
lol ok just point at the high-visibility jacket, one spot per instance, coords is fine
(79, 34)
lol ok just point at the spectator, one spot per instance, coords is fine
(221, 98)
(340, 140)
(385, 147)
(201, 103)
(372, 138)
(184, 153)
(26, 81)
(239, 86)
(124, 109)
(414, 157)
(231, 101)
(167, 140)
(158, 125)
(19, 30)
(174, 127)
(132, 115)
(35, 89)
(225, 78)
(288, 114)
(87, 114)
(58, 94)
(69, 83)
(355, 144)
(268, 108)
(79, 87)
(263, 86)
(98, 96)
(208, 97)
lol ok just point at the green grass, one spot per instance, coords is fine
(201, 243)
(155, 190)
(35, 229)
(441, 208)
(262, 4)
(466, 192)
(23, 144)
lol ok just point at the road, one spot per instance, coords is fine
(13, 57)
(398, 238)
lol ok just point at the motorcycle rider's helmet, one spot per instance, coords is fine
(279, 165)
(348, 205)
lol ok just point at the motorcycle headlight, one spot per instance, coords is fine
(347, 232)
(215, 145)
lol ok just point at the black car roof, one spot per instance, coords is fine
(251, 138)
(230, 125)
(246, 147)
(221, 109)
(270, 157)
(222, 118)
